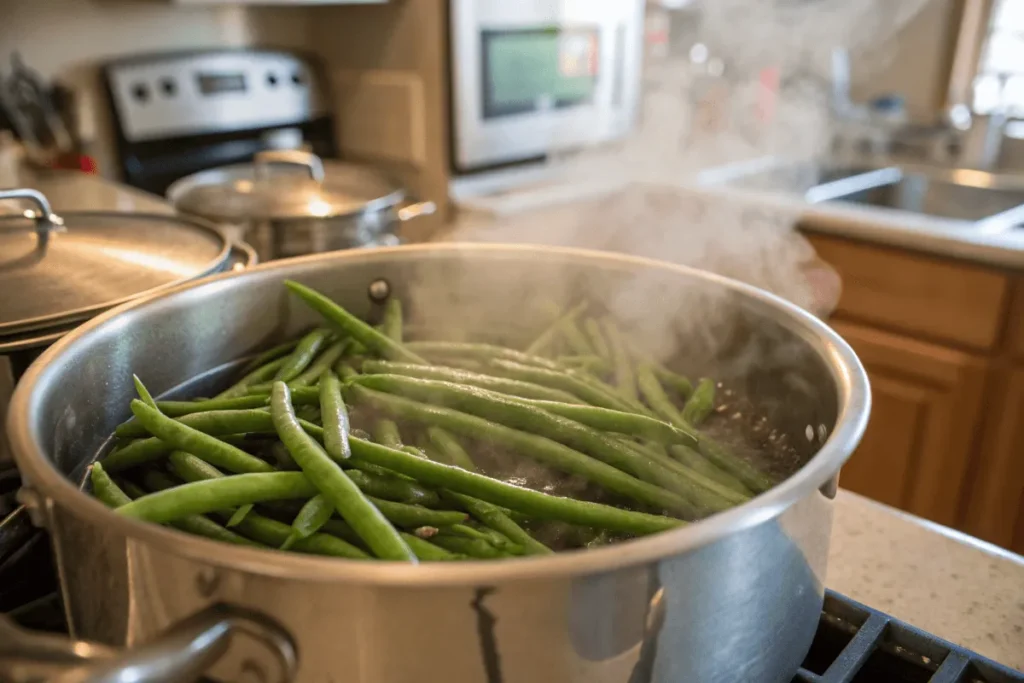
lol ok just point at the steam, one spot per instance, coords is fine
(708, 103)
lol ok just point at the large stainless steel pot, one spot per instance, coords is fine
(290, 203)
(735, 597)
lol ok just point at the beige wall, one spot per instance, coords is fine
(68, 39)
(389, 69)
(915, 64)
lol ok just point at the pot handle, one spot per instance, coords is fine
(297, 157)
(46, 220)
(181, 653)
(416, 209)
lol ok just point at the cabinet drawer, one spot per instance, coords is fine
(932, 297)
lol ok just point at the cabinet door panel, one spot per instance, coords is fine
(996, 505)
(925, 414)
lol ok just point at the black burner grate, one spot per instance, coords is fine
(856, 644)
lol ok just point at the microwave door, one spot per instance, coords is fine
(538, 87)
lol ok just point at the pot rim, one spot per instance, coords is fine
(853, 398)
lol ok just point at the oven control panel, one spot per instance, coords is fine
(195, 93)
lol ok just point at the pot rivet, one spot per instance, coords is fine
(207, 582)
(379, 290)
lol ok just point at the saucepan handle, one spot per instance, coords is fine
(45, 219)
(180, 654)
(296, 157)
(415, 209)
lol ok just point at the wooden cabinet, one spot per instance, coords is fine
(995, 508)
(923, 296)
(926, 410)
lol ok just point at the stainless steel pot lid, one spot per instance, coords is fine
(284, 184)
(55, 270)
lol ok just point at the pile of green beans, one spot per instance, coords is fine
(283, 458)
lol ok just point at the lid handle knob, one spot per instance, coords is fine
(45, 219)
(297, 157)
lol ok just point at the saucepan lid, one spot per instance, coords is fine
(281, 185)
(57, 270)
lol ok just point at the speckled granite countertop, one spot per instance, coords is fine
(954, 586)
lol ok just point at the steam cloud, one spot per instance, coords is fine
(692, 119)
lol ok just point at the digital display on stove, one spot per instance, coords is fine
(216, 84)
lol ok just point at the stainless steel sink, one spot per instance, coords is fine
(958, 194)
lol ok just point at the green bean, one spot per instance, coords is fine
(471, 547)
(323, 363)
(347, 372)
(341, 529)
(405, 515)
(274, 534)
(514, 413)
(221, 422)
(180, 408)
(143, 392)
(190, 468)
(700, 404)
(575, 338)
(531, 445)
(104, 488)
(695, 485)
(313, 515)
(428, 552)
(356, 328)
(389, 486)
(260, 374)
(450, 449)
(698, 463)
(424, 550)
(469, 532)
(500, 384)
(534, 504)
(391, 325)
(597, 338)
(136, 453)
(491, 515)
(334, 484)
(197, 525)
(270, 354)
(625, 379)
(476, 351)
(543, 341)
(619, 421)
(591, 364)
(386, 432)
(496, 519)
(680, 384)
(656, 397)
(209, 495)
(207, 447)
(303, 354)
(335, 417)
(572, 383)
(718, 454)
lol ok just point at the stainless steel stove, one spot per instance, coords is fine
(183, 112)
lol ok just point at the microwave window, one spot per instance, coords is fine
(533, 70)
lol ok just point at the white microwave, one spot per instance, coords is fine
(532, 77)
